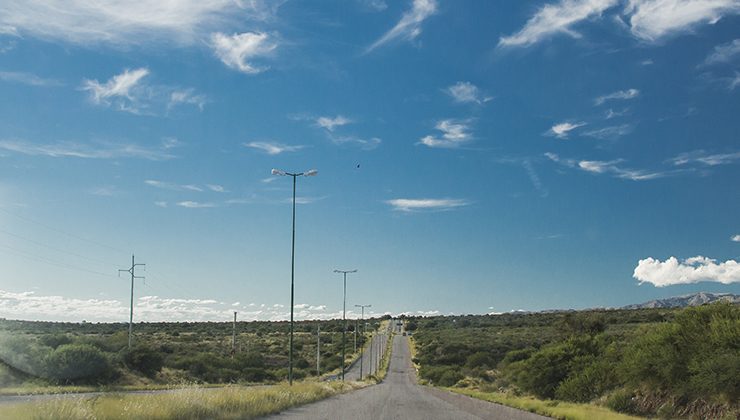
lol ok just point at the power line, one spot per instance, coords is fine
(54, 248)
(72, 235)
(28, 255)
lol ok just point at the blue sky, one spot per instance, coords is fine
(473, 156)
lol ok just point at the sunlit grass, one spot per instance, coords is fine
(231, 402)
(555, 409)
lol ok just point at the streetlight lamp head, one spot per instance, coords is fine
(277, 172)
(311, 172)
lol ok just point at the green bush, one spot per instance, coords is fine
(144, 359)
(70, 362)
(449, 378)
(622, 401)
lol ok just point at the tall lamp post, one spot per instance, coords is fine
(362, 317)
(344, 314)
(279, 172)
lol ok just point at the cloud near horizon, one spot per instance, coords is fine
(689, 271)
(152, 308)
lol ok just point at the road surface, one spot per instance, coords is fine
(399, 397)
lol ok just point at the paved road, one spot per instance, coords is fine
(399, 397)
(367, 363)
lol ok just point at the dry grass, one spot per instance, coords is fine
(554, 409)
(231, 402)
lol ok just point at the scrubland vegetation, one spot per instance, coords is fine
(669, 363)
(231, 402)
(37, 355)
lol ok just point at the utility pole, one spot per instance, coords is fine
(362, 317)
(233, 337)
(355, 346)
(371, 351)
(344, 315)
(318, 350)
(131, 311)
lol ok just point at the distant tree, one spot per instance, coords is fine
(144, 359)
(70, 362)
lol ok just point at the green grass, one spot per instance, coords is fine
(231, 402)
(555, 409)
(77, 389)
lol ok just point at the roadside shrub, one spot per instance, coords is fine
(55, 340)
(478, 359)
(71, 362)
(144, 359)
(449, 378)
(622, 401)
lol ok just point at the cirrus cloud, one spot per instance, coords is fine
(431, 204)
(409, 27)
(237, 51)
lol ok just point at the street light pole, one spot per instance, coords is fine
(344, 315)
(362, 317)
(311, 172)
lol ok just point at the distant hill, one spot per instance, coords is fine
(694, 299)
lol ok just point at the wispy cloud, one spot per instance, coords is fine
(128, 92)
(363, 143)
(186, 96)
(118, 88)
(554, 19)
(172, 186)
(735, 238)
(272, 148)
(216, 188)
(611, 132)
(129, 23)
(562, 130)
(27, 79)
(734, 81)
(85, 151)
(374, 5)
(466, 92)
(162, 204)
(330, 123)
(652, 20)
(238, 51)
(689, 271)
(612, 167)
(196, 205)
(618, 95)
(534, 178)
(429, 204)
(409, 27)
(454, 134)
(724, 53)
(703, 158)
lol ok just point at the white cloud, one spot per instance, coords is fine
(133, 22)
(409, 27)
(412, 204)
(196, 205)
(107, 191)
(724, 53)
(69, 149)
(173, 187)
(466, 92)
(735, 238)
(129, 92)
(330, 123)
(703, 158)
(561, 130)
(27, 79)
(238, 50)
(651, 20)
(272, 148)
(691, 270)
(364, 143)
(611, 132)
(162, 204)
(374, 5)
(612, 167)
(618, 95)
(186, 96)
(553, 19)
(117, 88)
(454, 133)
(216, 188)
(29, 305)
(734, 82)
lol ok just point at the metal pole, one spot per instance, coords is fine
(371, 353)
(355, 346)
(292, 290)
(318, 350)
(344, 319)
(233, 336)
(131, 309)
